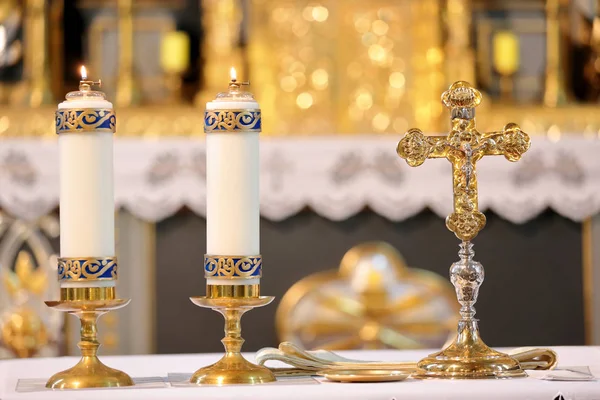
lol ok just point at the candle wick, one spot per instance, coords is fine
(234, 85)
(86, 86)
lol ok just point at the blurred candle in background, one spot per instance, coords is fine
(174, 60)
(175, 52)
(506, 52)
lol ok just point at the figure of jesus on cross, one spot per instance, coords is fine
(468, 356)
(463, 147)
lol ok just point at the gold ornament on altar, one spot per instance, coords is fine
(373, 301)
(26, 262)
(24, 332)
(468, 356)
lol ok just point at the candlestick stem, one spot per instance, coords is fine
(233, 340)
(89, 372)
(233, 368)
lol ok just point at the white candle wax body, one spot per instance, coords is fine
(232, 195)
(87, 206)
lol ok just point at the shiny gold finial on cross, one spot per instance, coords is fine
(463, 147)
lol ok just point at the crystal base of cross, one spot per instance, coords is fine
(468, 357)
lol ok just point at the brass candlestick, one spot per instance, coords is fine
(468, 356)
(232, 301)
(87, 304)
(233, 281)
(87, 283)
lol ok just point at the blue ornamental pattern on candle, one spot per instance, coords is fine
(87, 269)
(239, 267)
(72, 120)
(232, 121)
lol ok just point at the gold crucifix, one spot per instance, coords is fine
(463, 147)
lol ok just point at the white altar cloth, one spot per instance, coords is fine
(160, 365)
(336, 177)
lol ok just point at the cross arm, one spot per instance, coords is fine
(511, 142)
(415, 147)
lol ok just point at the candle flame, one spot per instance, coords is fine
(83, 73)
(233, 74)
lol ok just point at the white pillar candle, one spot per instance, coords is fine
(86, 183)
(232, 175)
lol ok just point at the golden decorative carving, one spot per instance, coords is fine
(87, 268)
(85, 120)
(23, 332)
(463, 147)
(232, 121)
(234, 267)
(314, 85)
(353, 82)
(26, 330)
(372, 301)
(25, 277)
(186, 121)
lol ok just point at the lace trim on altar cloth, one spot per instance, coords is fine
(336, 177)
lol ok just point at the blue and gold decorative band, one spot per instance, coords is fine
(87, 269)
(234, 267)
(73, 120)
(223, 121)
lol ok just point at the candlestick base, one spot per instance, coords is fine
(468, 357)
(89, 372)
(233, 368)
